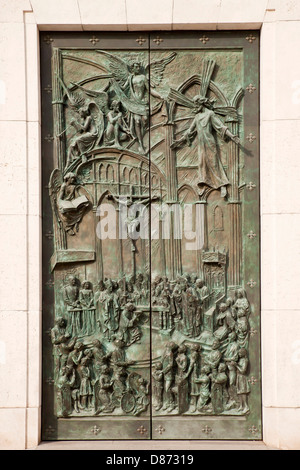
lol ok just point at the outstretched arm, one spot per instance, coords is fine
(222, 129)
(234, 138)
(155, 94)
(116, 199)
(186, 136)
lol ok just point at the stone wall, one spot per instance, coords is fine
(20, 208)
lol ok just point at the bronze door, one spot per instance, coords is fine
(151, 302)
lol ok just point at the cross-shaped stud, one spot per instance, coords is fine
(250, 38)
(251, 137)
(95, 430)
(251, 283)
(50, 283)
(251, 88)
(49, 235)
(49, 430)
(160, 429)
(206, 429)
(142, 430)
(204, 39)
(94, 40)
(140, 40)
(251, 235)
(252, 332)
(253, 429)
(251, 186)
(48, 89)
(49, 138)
(50, 381)
(48, 40)
(157, 40)
(252, 380)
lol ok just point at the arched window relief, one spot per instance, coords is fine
(126, 175)
(110, 173)
(102, 175)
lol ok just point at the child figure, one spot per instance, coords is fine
(142, 399)
(204, 381)
(85, 391)
(158, 385)
(218, 390)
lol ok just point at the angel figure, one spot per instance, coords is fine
(71, 204)
(116, 130)
(113, 120)
(88, 134)
(131, 85)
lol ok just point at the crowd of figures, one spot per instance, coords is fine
(186, 378)
(187, 381)
(117, 305)
(91, 381)
(180, 303)
(189, 378)
(111, 309)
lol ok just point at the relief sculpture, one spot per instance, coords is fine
(92, 370)
(207, 371)
(131, 85)
(211, 171)
(148, 154)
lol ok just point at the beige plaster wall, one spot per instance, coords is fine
(20, 205)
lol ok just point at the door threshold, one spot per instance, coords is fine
(153, 445)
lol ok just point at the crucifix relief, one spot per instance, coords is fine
(134, 217)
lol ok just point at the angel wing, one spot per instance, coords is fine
(98, 118)
(76, 101)
(155, 70)
(101, 97)
(55, 183)
(117, 67)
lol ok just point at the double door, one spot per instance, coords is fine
(150, 169)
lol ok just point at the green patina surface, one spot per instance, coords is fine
(152, 331)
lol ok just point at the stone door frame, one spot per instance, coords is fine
(23, 408)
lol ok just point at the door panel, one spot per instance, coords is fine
(205, 284)
(151, 312)
(97, 380)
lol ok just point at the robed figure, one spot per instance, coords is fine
(205, 124)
